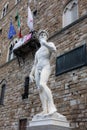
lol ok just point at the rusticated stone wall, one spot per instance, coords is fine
(69, 89)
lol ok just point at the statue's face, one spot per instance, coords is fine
(43, 36)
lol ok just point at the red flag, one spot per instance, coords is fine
(19, 34)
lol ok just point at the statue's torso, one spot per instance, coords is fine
(43, 56)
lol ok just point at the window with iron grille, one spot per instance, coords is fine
(71, 60)
(26, 88)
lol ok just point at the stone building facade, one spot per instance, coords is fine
(69, 88)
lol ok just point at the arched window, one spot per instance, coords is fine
(16, 1)
(5, 9)
(10, 49)
(70, 13)
(2, 94)
(2, 91)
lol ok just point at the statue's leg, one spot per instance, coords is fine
(37, 78)
(46, 92)
(42, 98)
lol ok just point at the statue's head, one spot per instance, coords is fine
(43, 34)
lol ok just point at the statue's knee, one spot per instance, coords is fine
(41, 86)
(40, 89)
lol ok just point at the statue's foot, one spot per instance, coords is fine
(52, 112)
(42, 113)
(60, 115)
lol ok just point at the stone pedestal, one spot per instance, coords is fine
(49, 122)
(49, 127)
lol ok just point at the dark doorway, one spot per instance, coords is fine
(23, 124)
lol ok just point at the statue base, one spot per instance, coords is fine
(55, 121)
(49, 127)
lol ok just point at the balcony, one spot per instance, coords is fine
(28, 43)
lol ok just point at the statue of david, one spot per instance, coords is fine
(41, 71)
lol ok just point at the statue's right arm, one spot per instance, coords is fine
(31, 76)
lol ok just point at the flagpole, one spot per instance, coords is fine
(28, 2)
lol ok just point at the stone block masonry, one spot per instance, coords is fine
(69, 89)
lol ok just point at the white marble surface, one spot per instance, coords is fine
(53, 119)
(41, 71)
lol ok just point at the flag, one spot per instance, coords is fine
(11, 31)
(19, 26)
(30, 19)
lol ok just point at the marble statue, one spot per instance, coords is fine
(41, 71)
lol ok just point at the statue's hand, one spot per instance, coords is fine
(42, 41)
(31, 78)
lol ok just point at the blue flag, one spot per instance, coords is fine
(12, 31)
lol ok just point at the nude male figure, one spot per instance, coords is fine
(41, 71)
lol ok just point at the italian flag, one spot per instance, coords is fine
(19, 26)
